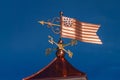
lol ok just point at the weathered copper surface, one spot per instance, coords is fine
(58, 69)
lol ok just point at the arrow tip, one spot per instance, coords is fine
(41, 22)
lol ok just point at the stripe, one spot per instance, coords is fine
(78, 32)
(85, 24)
(89, 41)
(82, 37)
(79, 29)
(88, 24)
(75, 37)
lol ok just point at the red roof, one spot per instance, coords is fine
(58, 68)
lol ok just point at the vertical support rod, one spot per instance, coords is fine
(61, 14)
(63, 59)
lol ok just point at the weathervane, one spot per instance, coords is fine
(60, 68)
(73, 29)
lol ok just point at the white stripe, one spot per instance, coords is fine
(88, 24)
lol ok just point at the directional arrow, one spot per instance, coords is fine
(48, 23)
(60, 46)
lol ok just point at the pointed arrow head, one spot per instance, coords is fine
(70, 53)
(48, 51)
(73, 42)
(41, 22)
(51, 40)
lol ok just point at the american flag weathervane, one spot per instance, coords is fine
(73, 29)
(60, 68)
(84, 32)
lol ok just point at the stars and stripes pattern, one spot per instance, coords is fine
(85, 32)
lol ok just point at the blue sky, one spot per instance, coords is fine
(23, 41)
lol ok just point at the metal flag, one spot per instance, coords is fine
(85, 32)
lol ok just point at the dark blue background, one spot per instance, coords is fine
(23, 40)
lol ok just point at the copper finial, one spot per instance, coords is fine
(60, 53)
